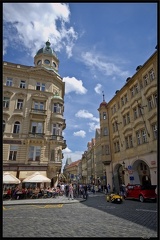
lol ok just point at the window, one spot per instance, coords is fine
(144, 136)
(140, 84)
(105, 131)
(57, 108)
(132, 92)
(57, 129)
(37, 127)
(16, 128)
(140, 110)
(128, 118)
(22, 84)
(34, 153)
(136, 88)
(145, 80)
(54, 64)
(124, 120)
(151, 75)
(135, 112)
(107, 149)
(19, 103)
(104, 115)
(154, 129)
(40, 86)
(46, 61)
(155, 99)
(9, 82)
(126, 98)
(39, 105)
(138, 137)
(6, 102)
(13, 152)
(130, 141)
(126, 142)
(150, 103)
(122, 101)
(4, 124)
(116, 146)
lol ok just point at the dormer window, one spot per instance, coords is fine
(46, 61)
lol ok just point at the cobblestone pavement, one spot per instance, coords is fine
(92, 218)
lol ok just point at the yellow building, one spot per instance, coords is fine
(33, 123)
(128, 129)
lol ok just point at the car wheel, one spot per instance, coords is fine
(141, 198)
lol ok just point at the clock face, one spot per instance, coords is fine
(39, 62)
(46, 61)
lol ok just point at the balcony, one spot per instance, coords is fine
(36, 135)
(38, 113)
(59, 139)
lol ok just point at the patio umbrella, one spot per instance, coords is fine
(8, 178)
(36, 178)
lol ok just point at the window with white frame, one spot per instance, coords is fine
(154, 129)
(19, 103)
(22, 84)
(9, 82)
(6, 102)
(144, 136)
(39, 105)
(104, 115)
(57, 129)
(151, 75)
(34, 153)
(13, 152)
(145, 80)
(16, 128)
(40, 86)
(57, 108)
(138, 135)
(4, 124)
(37, 127)
(150, 103)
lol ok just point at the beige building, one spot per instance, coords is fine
(124, 149)
(33, 123)
(128, 126)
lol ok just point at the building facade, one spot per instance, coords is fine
(125, 146)
(33, 122)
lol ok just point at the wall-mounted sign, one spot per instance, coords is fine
(131, 178)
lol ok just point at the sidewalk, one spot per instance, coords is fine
(57, 200)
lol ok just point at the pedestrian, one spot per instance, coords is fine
(70, 194)
(108, 188)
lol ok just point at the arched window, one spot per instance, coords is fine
(4, 124)
(16, 128)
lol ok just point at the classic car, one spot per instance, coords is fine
(140, 192)
(114, 198)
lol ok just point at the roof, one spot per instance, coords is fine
(47, 49)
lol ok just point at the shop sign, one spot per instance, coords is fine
(153, 162)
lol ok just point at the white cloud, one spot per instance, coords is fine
(98, 88)
(80, 133)
(85, 114)
(98, 62)
(74, 85)
(35, 23)
(93, 126)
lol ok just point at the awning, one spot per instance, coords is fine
(14, 173)
(25, 174)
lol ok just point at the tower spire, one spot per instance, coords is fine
(103, 96)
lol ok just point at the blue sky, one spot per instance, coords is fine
(99, 45)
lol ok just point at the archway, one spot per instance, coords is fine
(141, 172)
(118, 177)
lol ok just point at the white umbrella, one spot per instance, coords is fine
(8, 178)
(36, 178)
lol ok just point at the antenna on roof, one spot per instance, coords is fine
(103, 96)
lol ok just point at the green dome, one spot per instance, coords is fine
(47, 50)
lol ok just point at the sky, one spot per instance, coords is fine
(99, 45)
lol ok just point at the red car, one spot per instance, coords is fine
(141, 193)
